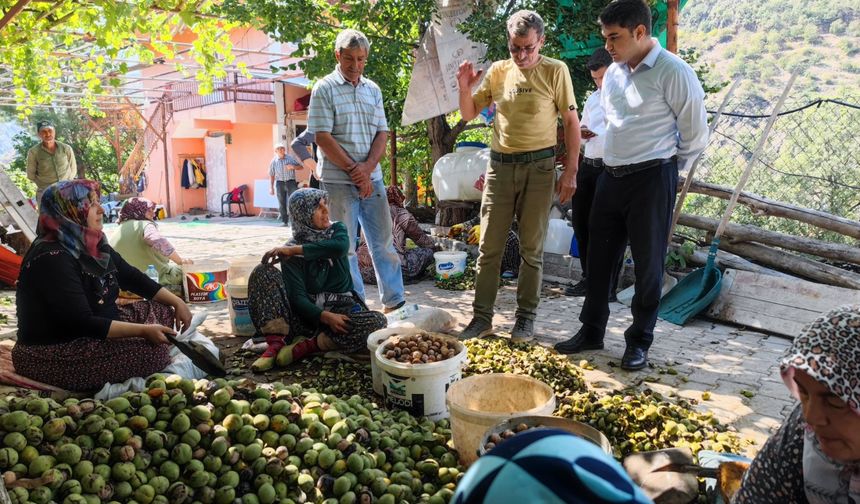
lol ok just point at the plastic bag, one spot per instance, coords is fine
(179, 363)
(428, 319)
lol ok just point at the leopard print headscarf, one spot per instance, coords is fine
(828, 350)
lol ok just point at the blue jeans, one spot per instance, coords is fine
(375, 219)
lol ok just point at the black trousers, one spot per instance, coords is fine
(581, 204)
(637, 207)
(283, 189)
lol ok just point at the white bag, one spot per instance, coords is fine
(427, 319)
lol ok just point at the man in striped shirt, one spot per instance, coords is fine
(348, 120)
(282, 179)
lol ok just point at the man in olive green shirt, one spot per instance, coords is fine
(49, 161)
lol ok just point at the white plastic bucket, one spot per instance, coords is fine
(558, 237)
(481, 401)
(240, 316)
(205, 281)
(237, 294)
(420, 388)
(450, 264)
(375, 339)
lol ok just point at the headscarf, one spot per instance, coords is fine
(135, 209)
(303, 203)
(395, 196)
(548, 466)
(63, 219)
(828, 350)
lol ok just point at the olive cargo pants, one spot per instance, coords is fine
(524, 190)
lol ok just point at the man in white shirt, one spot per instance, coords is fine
(593, 129)
(655, 122)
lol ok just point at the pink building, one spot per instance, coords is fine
(230, 132)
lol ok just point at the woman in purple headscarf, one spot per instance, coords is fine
(71, 333)
(138, 241)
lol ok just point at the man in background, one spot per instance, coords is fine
(49, 161)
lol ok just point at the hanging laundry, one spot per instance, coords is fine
(187, 175)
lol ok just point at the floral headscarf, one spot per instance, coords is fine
(828, 350)
(395, 196)
(63, 219)
(135, 209)
(303, 203)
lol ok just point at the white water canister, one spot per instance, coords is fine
(450, 264)
(558, 237)
(420, 388)
(455, 174)
(205, 281)
(237, 294)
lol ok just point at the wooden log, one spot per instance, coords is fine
(765, 206)
(800, 266)
(747, 233)
(727, 260)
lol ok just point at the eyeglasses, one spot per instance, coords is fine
(527, 49)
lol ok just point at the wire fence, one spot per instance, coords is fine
(811, 159)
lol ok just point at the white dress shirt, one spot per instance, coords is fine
(594, 119)
(654, 111)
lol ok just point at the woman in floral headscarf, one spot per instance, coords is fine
(71, 333)
(815, 455)
(413, 261)
(138, 241)
(310, 303)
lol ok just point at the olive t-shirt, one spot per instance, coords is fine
(528, 103)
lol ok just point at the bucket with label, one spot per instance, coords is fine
(205, 281)
(375, 339)
(420, 388)
(450, 264)
(237, 294)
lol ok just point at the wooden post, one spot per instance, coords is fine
(167, 180)
(672, 26)
(393, 159)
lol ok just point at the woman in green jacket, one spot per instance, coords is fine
(138, 241)
(309, 306)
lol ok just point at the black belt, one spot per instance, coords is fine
(624, 170)
(596, 162)
(522, 157)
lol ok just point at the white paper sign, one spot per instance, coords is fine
(433, 86)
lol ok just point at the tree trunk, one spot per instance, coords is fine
(764, 206)
(747, 233)
(797, 265)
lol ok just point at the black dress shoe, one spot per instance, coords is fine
(577, 290)
(580, 341)
(634, 359)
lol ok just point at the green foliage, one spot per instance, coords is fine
(392, 26)
(105, 35)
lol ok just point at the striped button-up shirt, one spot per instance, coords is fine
(352, 114)
(284, 168)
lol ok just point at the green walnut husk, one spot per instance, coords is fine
(183, 441)
(645, 421)
(499, 355)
